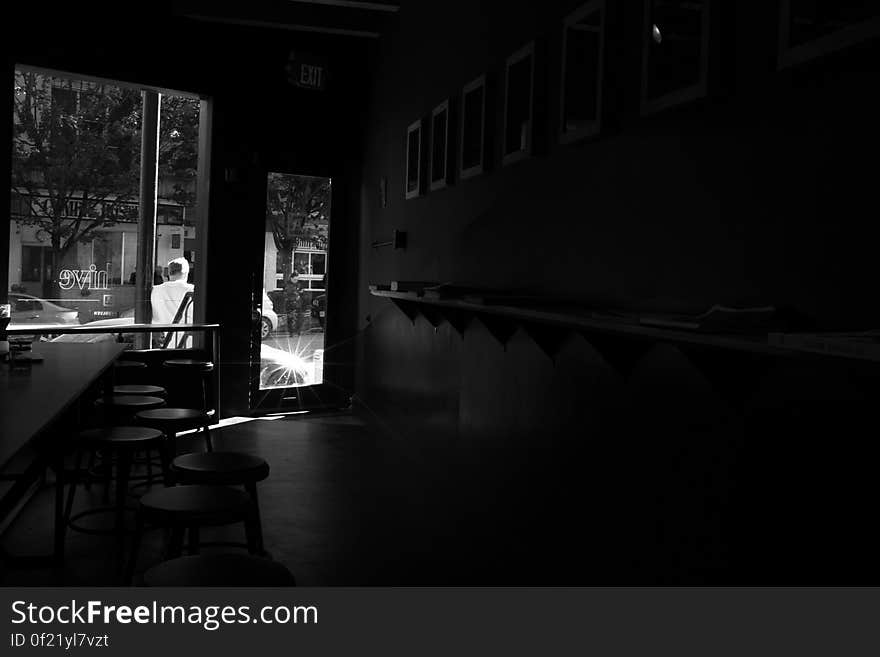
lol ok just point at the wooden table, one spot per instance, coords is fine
(34, 401)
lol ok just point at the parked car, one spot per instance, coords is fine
(269, 321)
(28, 309)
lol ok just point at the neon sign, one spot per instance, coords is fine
(90, 278)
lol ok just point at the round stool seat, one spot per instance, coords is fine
(220, 468)
(134, 389)
(129, 363)
(188, 363)
(132, 437)
(183, 504)
(227, 569)
(132, 403)
(174, 418)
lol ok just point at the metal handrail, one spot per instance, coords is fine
(59, 329)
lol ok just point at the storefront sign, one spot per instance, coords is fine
(85, 279)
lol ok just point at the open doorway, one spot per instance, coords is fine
(294, 297)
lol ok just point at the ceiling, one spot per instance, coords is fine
(363, 19)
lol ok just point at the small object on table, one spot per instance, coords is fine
(20, 355)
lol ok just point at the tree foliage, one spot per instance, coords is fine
(298, 209)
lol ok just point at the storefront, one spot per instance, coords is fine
(97, 276)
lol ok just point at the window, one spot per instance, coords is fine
(78, 236)
(24, 305)
(31, 263)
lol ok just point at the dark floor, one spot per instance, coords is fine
(333, 510)
(353, 503)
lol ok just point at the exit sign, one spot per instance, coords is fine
(306, 72)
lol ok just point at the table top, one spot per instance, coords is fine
(31, 399)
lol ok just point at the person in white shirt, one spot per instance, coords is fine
(166, 299)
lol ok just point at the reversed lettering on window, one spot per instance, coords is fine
(85, 279)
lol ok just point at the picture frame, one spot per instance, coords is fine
(822, 27)
(413, 172)
(581, 75)
(517, 141)
(472, 155)
(679, 72)
(439, 172)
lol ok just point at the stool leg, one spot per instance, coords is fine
(135, 548)
(90, 467)
(175, 545)
(107, 469)
(68, 508)
(149, 465)
(60, 525)
(207, 431)
(256, 530)
(123, 469)
(194, 540)
(165, 455)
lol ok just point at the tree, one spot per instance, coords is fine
(76, 157)
(298, 208)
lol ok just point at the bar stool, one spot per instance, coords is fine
(120, 410)
(172, 421)
(219, 570)
(122, 443)
(128, 371)
(203, 369)
(190, 507)
(123, 407)
(140, 390)
(226, 469)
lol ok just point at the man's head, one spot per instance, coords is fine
(178, 269)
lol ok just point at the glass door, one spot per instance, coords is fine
(293, 309)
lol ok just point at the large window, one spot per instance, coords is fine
(79, 224)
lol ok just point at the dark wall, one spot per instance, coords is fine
(753, 195)
(260, 123)
(629, 462)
